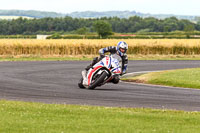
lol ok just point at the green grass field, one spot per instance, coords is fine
(26, 117)
(187, 78)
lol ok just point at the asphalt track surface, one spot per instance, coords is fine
(56, 82)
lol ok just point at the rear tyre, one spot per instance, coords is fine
(99, 80)
(80, 84)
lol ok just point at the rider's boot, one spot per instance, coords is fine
(84, 75)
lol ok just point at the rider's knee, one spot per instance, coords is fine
(95, 60)
(116, 79)
(88, 67)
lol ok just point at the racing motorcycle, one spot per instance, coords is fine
(102, 72)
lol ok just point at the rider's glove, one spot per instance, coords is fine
(102, 56)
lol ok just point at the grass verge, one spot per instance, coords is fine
(90, 57)
(45, 58)
(187, 78)
(23, 117)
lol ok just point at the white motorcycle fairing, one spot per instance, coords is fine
(110, 65)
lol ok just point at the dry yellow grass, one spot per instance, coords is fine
(90, 47)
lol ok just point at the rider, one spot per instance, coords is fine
(120, 50)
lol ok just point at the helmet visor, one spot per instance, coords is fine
(123, 50)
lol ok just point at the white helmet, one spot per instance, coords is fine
(122, 47)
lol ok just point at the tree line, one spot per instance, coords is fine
(80, 25)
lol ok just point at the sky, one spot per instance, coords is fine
(177, 7)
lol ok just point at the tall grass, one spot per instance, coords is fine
(91, 47)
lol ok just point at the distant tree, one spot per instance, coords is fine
(189, 28)
(198, 22)
(166, 28)
(197, 19)
(151, 23)
(197, 27)
(103, 28)
(82, 31)
(170, 24)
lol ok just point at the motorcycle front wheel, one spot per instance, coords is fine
(98, 81)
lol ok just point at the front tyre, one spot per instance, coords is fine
(98, 81)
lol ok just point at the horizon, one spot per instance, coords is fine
(178, 7)
(98, 12)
